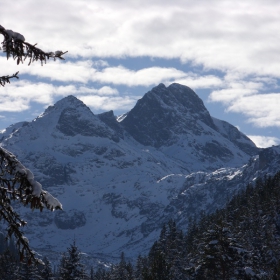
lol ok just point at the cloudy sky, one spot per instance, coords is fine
(228, 52)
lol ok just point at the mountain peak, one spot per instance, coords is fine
(71, 117)
(69, 101)
(180, 95)
(165, 111)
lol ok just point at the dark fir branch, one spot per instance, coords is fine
(6, 79)
(15, 46)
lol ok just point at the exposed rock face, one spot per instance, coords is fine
(78, 119)
(235, 136)
(269, 157)
(164, 113)
(70, 220)
(175, 115)
(110, 120)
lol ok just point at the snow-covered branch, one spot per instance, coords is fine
(16, 181)
(14, 46)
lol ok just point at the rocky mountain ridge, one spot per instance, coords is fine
(119, 181)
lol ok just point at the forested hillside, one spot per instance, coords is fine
(240, 241)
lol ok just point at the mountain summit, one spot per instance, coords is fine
(166, 112)
(175, 116)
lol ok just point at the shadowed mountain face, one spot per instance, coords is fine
(120, 181)
(76, 118)
(164, 113)
(176, 115)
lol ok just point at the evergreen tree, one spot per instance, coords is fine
(122, 271)
(3, 243)
(91, 274)
(240, 241)
(9, 266)
(29, 271)
(62, 272)
(71, 267)
(158, 265)
(46, 270)
(101, 274)
(141, 268)
(17, 182)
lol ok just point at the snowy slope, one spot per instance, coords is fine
(119, 181)
(208, 191)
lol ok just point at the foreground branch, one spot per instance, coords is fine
(14, 46)
(6, 79)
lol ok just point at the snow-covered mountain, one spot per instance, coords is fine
(175, 120)
(120, 179)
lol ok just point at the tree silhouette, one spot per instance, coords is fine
(16, 181)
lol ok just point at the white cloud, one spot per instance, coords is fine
(145, 77)
(109, 103)
(243, 96)
(264, 141)
(18, 95)
(224, 35)
(196, 82)
(107, 91)
(79, 71)
(240, 39)
(153, 76)
(85, 71)
(237, 86)
(229, 95)
(261, 109)
(100, 63)
(13, 105)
